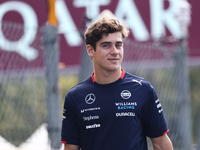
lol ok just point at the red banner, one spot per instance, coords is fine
(147, 20)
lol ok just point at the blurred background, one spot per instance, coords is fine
(42, 56)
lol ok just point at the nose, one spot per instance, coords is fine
(114, 50)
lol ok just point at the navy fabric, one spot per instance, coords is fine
(114, 116)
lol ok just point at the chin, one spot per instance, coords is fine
(113, 68)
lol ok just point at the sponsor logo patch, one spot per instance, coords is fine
(90, 98)
(159, 107)
(125, 94)
(93, 126)
(126, 105)
(90, 118)
(90, 109)
(124, 114)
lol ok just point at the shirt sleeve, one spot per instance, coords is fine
(153, 118)
(70, 133)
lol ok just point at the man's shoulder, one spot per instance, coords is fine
(130, 77)
(80, 87)
(138, 80)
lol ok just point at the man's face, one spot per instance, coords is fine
(109, 52)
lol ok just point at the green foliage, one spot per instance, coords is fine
(195, 101)
(22, 108)
(23, 105)
(66, 82)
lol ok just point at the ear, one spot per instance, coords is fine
(90, 50)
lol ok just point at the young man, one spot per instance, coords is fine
(112, 109)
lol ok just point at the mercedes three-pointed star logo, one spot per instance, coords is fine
(90, 98)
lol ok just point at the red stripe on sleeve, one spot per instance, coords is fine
(166, 132)
(63, 142)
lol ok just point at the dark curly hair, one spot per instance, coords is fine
(104, 26)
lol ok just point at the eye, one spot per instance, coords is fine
(105, 45)
(119, 45)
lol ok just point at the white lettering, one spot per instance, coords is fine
(126, 104)
(63, 117)
(66, 24)
(125, 114)
(157, 101)
(92, 6)
(22, 46)
(93, 126)
(160, 110)
(159, 105)
(91, 109)
(127, 8)
(90, 118)
(161, 17)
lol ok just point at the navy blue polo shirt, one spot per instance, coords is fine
(114, 116)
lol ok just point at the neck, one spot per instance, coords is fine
(106, 77)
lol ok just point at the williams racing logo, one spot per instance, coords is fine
(125, 94)
(126, 105)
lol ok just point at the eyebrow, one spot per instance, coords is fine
(110, 42)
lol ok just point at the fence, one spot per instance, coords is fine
(22, 87)
(165, 66)
(28, 89)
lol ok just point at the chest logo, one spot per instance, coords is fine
(90, 98)
(125, 94)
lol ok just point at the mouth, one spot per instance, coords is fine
(113, 60)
